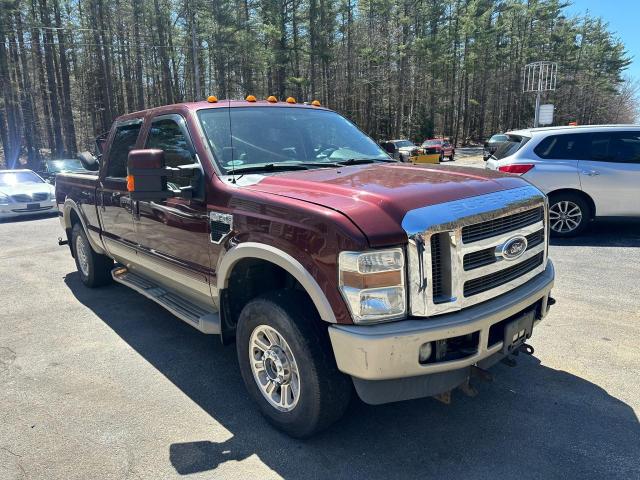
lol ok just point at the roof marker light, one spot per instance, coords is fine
(212, 99)
(291, 100)
(250, 98)
(271, 99)
(316, 103)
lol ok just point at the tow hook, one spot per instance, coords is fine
(62, 242)
(526, 348)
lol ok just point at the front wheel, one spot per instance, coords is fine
(569, 215)
(287, 364)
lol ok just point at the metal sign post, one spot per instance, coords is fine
(539, 77)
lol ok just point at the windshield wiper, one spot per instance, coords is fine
(267, 167)
(362, 161)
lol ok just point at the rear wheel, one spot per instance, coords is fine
(94, 269)
(287, 364)
(451, 157)
(569, 214)
(441, 157)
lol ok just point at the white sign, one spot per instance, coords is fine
(545, 116)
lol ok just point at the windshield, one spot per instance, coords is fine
(511, 145)
(404, 143)
(9, 179)
(66, 165)
(432, 143)
(243, 137)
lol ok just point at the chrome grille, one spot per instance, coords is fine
(34, 197)
(481, 258)
(482, 284)
(496, 226)
(464, 264)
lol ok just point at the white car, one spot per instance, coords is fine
(23, 192)
(587, 172)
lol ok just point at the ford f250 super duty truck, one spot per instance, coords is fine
(283, 228)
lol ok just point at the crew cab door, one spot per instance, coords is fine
(114, 204)
(611, 173)
(173, 233)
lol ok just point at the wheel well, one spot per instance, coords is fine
(73, 219)
(580, 193)
(249, 279)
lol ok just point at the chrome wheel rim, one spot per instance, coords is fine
(274, 368)
(82, 254)
(564, 216)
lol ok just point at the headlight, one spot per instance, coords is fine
(4, 199)
(372, 283)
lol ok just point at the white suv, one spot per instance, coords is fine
(586, 171)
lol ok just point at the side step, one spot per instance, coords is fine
(203, 320)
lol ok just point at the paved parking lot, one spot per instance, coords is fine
(104, 384)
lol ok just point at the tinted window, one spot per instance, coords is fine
(169, 136)
(123, 142)
(510, 146)
(498, 138)
(573, 146)
(624, 147)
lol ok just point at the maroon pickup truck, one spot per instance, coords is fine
(284, 229)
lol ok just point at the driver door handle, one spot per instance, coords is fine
(590, 173)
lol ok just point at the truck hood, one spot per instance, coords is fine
(376, 197)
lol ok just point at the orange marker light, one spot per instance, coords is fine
(212, 99)
(315, 103)
(271, 99)
(250, 98)
(291, 100)
(131, 184)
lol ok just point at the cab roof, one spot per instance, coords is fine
(195, 106)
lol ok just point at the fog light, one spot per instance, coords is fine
(425, 352)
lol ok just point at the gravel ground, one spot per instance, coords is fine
(104, 384)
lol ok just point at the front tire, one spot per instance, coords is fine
(94, 269)
(569, 214)
(287, 364)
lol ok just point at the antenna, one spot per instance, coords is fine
(233, 163)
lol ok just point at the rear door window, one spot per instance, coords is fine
(573, 146)
(510, 146)
(624, 147)
(123, 142)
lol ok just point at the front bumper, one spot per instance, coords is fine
(15, 209)
(390, 351)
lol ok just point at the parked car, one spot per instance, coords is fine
(443, 147)
(400, 149)
(587, 172)
(62, 165)
(24, 192)
(491, 145)
(328, 264)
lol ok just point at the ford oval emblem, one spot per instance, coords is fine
(514, 248)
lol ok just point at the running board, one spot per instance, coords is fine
(201, 319)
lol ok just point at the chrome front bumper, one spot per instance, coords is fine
(390, 350)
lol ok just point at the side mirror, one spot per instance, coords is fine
(89, 161)
(147, 175)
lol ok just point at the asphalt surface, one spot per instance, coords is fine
(105, 384)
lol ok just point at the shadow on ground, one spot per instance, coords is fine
(29, 218)
(532, 422)
(606, 233)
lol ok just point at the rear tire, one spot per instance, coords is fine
(94, 269)
(287, 364)
(441, 158)
(569, 214)
(451, 157)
